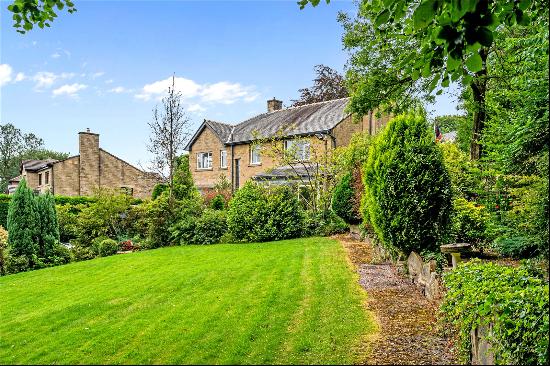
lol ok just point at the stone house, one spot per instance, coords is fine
(81, 174)
(235, 151)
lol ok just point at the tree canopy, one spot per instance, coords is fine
(327, 85)
(28, 13)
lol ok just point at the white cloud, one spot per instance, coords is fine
(55, 55)
(110, 81)
(227, 93)
(118, 90)
(97, 74)
(222, 92)
(20, 77)
(196, 108)
(45, 79)
(70, 90)
(5, 74)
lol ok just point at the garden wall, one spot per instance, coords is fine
(425, 276)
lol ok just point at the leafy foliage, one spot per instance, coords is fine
(218, 202)
(104, 217)
(207, 228)
(317, 224)
(343, 201)
(4, 205)
(3, 249)
(158, 189)
(469, 223)
(327, 85)
(257, 213)
(108, 247)
(407, 188)
(516, 246)
(513, 301)
(27, 13)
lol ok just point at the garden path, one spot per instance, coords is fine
(407, 322)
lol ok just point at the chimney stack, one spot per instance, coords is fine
(274, 105)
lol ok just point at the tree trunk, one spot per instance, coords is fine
(479, 87)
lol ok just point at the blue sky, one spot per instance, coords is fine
(105, 66)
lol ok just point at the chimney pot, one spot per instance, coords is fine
(274, 105)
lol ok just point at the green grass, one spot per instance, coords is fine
(294, 301)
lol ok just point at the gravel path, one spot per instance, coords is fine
(407, 320)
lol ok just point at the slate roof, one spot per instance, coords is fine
(223, 130)
(294, 121)
(302, 120)
(36, 165)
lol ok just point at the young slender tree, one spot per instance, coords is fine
(170, 130)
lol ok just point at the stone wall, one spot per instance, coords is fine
(116, 173)
(425, 277)
(66, 177)
(208, 141)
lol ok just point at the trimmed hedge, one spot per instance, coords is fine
(260, 214)
(407, 188)
(510, 298)
(343, 201)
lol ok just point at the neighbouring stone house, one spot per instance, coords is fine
(234, 151)
(81, 174)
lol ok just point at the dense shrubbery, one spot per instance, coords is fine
(407, 188)
(258, 214)
(469, 223)
(108, 247)
(344, 202)
(3, 250)
(511, 299)
(4, 206)
(323, 224)
(208, 228)
(23, 224)
(218, 202)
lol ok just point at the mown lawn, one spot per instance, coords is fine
(294, 301)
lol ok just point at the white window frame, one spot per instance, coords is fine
(200, 160)
(255, 151)
(223, 159)
(300, 148)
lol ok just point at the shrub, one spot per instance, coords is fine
(59, 255)
(108, 247)
(205, 229)
(261, 214)
(407, 197)
(80, 253)
(67, 218)
(3, 249)
(319, 224)
(464, 174)
(22, 223)
(17, 263)
(4, 206)
(247, 210)
(509, 298)
(516, 247)
(218, 202)
(469, 223)
(104, 217)
(159, 189)
(343, 201)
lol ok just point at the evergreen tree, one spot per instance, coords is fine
(23, 223)
(49, 228)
